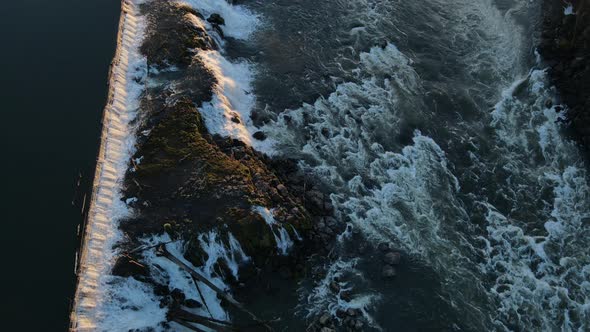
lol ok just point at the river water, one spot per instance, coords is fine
(433, 125)
(429, 122)
(55, 58)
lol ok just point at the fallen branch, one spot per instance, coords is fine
(187, 325)
(201, 295)
(144, 248)
(214, 324)
(165, 253)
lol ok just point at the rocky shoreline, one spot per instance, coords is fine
(184, 182)
(565, 46)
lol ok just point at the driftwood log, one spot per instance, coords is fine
(163, 251)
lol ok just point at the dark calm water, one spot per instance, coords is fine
(55, 57)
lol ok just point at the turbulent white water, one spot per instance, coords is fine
(510, 247)
(282, 238)
(544, 280)
(447, 149)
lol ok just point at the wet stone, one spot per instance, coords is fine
(325, 319)
(216, 19)
(383, 247)
(259, 135)
(331, 221)
(346, 296)
(177, 295)
(282, 190)
(334, 287)
(548, 103)
(352, 312)
(190, 303)
(358, 325)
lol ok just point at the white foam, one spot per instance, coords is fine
(322, 298)
(92, 309)
(172, 275)
(282, 238)
(545, 274)
(239, 21)
(217, 252)
(233, 97)
(131, 200)
(129, 304)
(569, 9)
(410, 199)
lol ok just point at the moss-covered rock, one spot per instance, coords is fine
(183, 34)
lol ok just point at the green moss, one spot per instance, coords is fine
(168, 229)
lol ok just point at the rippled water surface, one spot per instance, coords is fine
(435, 128)
(429, 122)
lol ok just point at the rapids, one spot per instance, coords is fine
(429, 124)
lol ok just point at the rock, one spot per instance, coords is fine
(383, 247)
(392, 258)
(259, 135)
(327, 329)
(331, 221)
(216, 19)
(334, 287)
(351, 312)
(362, 249)
(548, 103)
(328, 206)
(358, 325)
(235, 119)
(126, 267)
(177, 295)
(168, 229)
(325, 319)
(239, 152)
(316, 198)
(190, 303)
(346, 296)
(282, 190)
(388, 271)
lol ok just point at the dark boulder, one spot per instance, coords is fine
(259, 135)
(216, 19)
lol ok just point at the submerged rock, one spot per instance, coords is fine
(325, 319)
(388, 271)
(392, 258)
